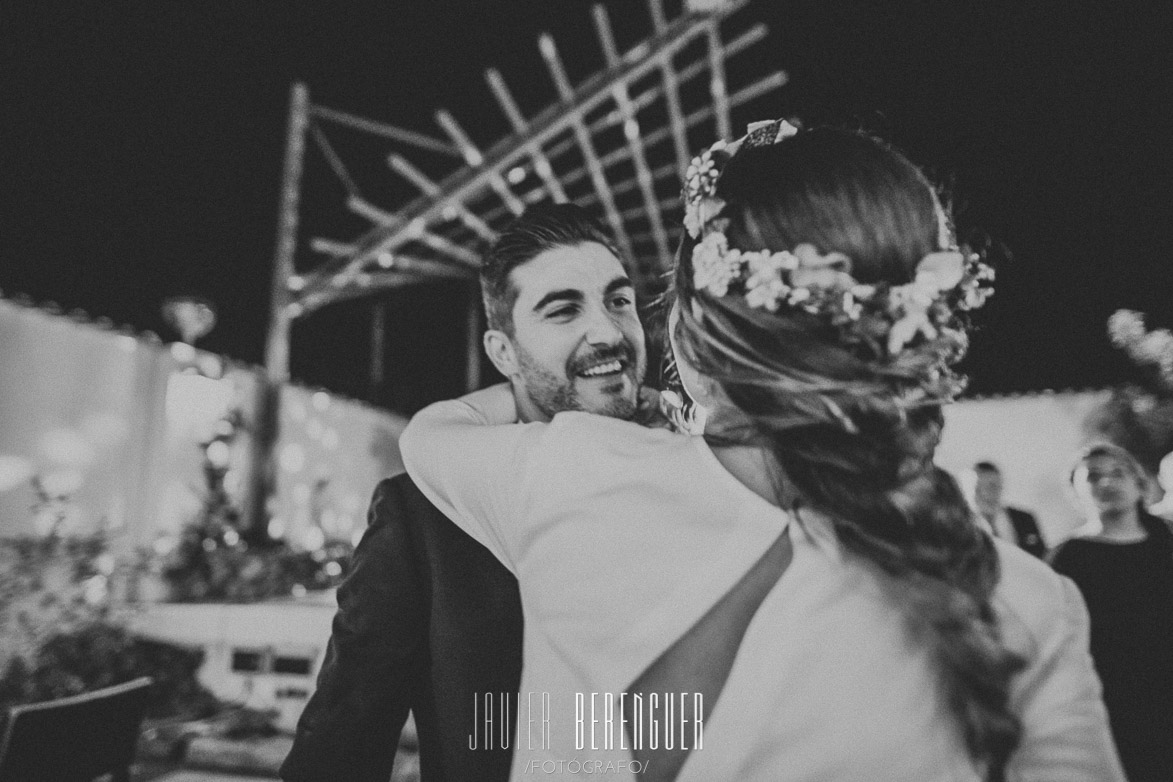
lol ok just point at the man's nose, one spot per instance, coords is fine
(602, 329)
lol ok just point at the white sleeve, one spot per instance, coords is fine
(1066, 737)
(473, 472)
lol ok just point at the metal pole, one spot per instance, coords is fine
(472, 371)
(378, 349)
(281, 317)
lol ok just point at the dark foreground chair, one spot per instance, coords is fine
(74, 739)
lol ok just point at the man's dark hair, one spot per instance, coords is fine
(987, 467)
(542, 227)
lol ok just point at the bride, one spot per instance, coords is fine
(798, 594)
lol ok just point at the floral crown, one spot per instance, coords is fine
(887, 322)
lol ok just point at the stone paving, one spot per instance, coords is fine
(192, 775)
(211, 759)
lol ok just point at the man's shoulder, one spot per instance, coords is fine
(398, 498)
(401, 514)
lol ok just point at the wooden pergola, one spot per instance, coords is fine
(618, 143)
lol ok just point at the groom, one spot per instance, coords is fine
(428, 620)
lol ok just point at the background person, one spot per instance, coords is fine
(1163, 507)
(983, 486)
(1125, 572)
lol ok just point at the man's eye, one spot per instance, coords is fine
(622, 301)
(562, 312)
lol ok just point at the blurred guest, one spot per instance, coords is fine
(1125, 572)
(983, 486)
(1164, 506)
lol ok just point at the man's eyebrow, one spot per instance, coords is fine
(566, 294)
(617, 284)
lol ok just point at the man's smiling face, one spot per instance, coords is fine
(576, 333)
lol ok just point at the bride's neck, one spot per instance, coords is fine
(757, 470)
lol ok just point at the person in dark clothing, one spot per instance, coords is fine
(983, 485)
(1125, 572)
(428, 620)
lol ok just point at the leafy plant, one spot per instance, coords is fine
(60, 635)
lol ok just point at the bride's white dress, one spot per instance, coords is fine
(623, 537)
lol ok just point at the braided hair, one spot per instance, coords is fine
(833, 415)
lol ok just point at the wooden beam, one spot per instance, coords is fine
(385, 130)
(373, 213)
(280, 315)
(378, 350)
(402, 166)
(631, 133)
(334, 161)
(705, 112)
(744, 95)
(474, 158)
(686, 74)
(533, 148)
(428, 267)
(472, 327)
(548, 124)
(362, 286)
(627, 185)
(583, 136)
(446, 246)
(331, 247)
(758, 88)
(717, 86)
(641, 212)
(671, 89)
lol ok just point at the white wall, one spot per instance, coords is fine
(1033, 438)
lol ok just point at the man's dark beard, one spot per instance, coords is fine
(553, 394)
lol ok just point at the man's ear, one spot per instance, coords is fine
(499, 349)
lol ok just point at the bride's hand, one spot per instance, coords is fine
(649, 412)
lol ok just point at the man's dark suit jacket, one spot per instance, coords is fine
(1026, 528)
(427, 620)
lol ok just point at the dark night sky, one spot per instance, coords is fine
(141, 144)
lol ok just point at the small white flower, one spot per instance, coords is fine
(700, 192)
(975, 297)
(916, 295)
(799, 295)
(1125, 327)
(863, 292)
(1154, 346)
(766, 293)
(941, 271)
(852, 308)
(714, 264)
(905, 330)
(692, 219)
(765, 285)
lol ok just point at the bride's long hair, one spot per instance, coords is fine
(836, 418)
